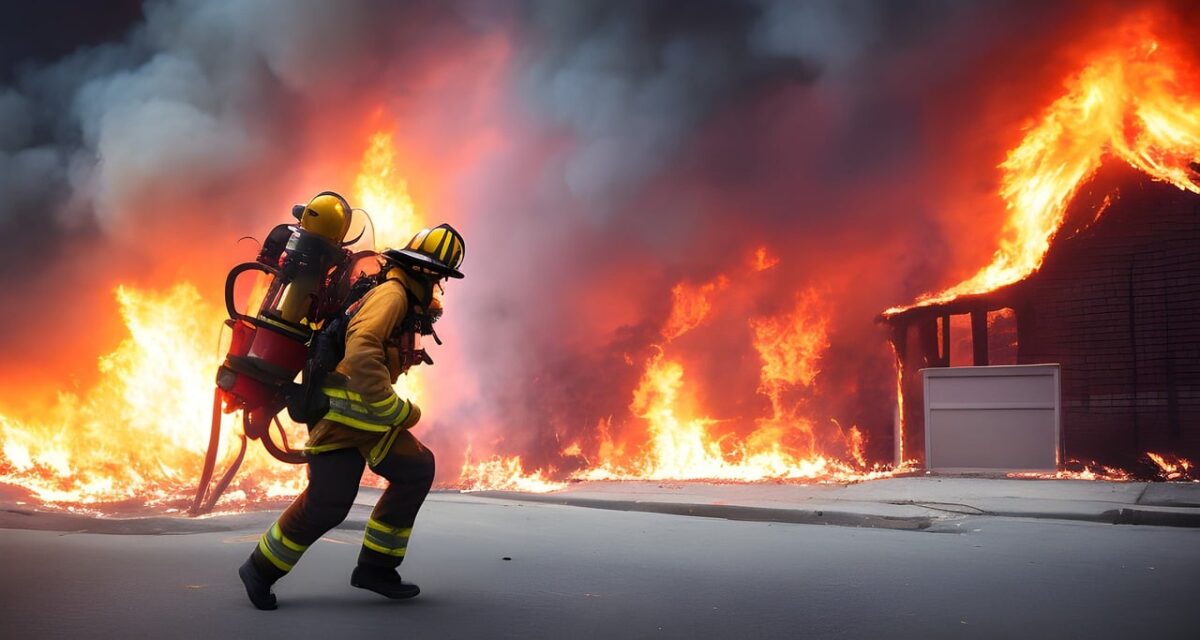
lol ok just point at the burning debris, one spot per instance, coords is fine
(504, 474)
(1172, 467)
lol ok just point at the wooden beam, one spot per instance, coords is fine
(945, 340)
(979, 336)
(928, 339)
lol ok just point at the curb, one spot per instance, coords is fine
(1156, 518)
(727, 512)
(1144, 517)
(1122, 516)
(30, 520)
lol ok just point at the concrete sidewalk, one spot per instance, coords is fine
(936, 503)
(893, 503)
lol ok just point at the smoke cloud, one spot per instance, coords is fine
(594, 154)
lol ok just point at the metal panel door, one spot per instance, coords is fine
(1002, 418)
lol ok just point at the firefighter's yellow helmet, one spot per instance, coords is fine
(327, 215)
(437, 252)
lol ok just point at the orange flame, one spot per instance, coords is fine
(143, 429)
(857, 441)
(898, 434)
(504, 474)
(763, 260)
(691, 306)
(1171, 467)
(383, 194)
(682, 442)
(1077, 471)
(1135, 101)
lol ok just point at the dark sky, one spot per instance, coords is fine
(45, 31)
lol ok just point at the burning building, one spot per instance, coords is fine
(1116, 303)
(1099, 272)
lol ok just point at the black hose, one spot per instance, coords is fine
(288, 455)
(210, 459)
(231, 280)
(283, 437)
(226, 478)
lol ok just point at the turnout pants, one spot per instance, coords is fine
(333, 479)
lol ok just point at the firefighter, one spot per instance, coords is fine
(367, 425)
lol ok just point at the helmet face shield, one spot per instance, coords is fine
(361, 234)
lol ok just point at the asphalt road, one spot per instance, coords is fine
(585, 573)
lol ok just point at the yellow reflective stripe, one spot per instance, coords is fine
(381, 406)
(386, 528)
(393, 416)
(375, 451)
(262, 546)
(290, 329)
(343, 394)
(391, 440)
(279, 549)
(348, 408)
(287, 542)
(403, 415)
(355, 422)
(380, 450)
(324, 448)
(387, 404)
(385, 538)
(399, 553)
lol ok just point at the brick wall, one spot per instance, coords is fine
(1118, 305)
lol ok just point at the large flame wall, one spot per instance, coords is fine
(680, 225)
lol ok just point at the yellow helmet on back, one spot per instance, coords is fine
(327, 215)
(437, 252)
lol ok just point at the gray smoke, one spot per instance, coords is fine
(673, 135)
(200, 94)
(140, 159)
(195, 97)
(633, 79)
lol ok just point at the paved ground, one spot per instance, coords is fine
(591, 573)
(897, 503)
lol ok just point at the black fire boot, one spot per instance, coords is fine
(385, 582)
(258, 586)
